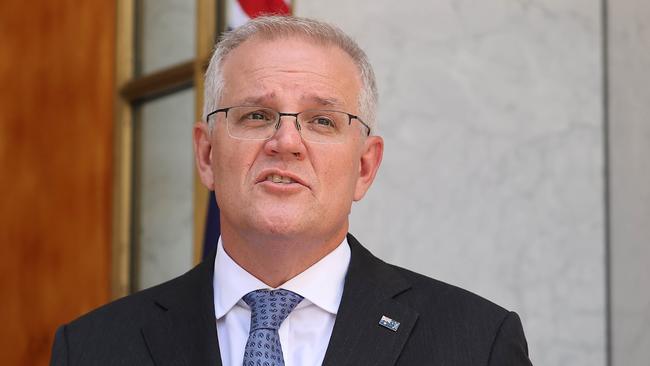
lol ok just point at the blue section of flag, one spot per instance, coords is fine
(212, 227)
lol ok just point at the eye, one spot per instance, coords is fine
(257, 115)
(324, 122)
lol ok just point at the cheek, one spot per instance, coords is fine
(340, 177)
(230, 165)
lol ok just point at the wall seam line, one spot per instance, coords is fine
(606, 180)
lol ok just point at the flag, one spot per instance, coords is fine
(212, 226)
(238, 12)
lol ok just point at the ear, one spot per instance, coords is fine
(203, 154)
(371, 154)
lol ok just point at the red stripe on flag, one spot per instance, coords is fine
(254, 8)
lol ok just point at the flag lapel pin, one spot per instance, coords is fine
(389, 323)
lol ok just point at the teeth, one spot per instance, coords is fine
(279, 179)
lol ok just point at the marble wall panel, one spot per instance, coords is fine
(164, 186)
(166, 32)
(493, 171)
(629, 126)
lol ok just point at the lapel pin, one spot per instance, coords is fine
(389, 323)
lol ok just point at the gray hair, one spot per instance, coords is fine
(274, 27)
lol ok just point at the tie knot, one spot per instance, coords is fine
(269, 308)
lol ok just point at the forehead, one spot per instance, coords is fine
(268, 71)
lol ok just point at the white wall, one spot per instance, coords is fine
(629, 127)
(493, 170)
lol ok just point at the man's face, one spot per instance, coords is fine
(319, 181)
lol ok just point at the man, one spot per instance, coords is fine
(287, 145)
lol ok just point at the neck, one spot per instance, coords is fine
(275, 259)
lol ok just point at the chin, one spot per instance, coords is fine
(280, 218)
(280, 226)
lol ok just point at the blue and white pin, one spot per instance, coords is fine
(389, 323)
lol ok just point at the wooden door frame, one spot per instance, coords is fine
(131, 89)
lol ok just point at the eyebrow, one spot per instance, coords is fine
(326, 102)
(257, 99)
(316, 99)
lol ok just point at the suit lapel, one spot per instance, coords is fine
(368, 295)
(184, 332)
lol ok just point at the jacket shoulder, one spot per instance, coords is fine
(429, 292)
(423, 294)
(131, 310)
(113, 331)
(453, 326)
(469, 328)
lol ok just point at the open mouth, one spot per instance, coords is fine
(281, 178)
(276, 178)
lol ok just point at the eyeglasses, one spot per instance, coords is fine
(314, 125)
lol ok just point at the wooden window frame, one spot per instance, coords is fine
(131, 89)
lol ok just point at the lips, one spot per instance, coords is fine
(276, 178)
(279, 177)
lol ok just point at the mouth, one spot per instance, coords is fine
(275, 176)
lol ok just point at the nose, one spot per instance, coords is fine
(287, 139)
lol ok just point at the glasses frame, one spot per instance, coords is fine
(283, 114)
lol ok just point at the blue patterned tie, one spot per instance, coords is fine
(269, 308)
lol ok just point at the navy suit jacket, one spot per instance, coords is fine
(174, 323)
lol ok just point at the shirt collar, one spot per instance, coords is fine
(321, 284)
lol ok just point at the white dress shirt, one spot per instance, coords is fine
(305, 333)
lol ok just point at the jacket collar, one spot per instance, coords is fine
(184, 331)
